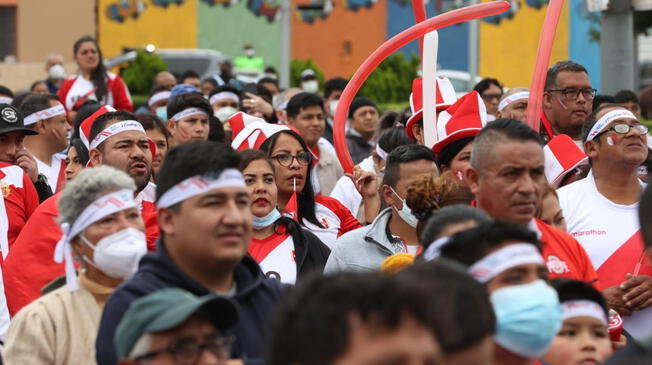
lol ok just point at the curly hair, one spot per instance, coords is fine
(428, 193)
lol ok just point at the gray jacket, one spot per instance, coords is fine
(363, 249)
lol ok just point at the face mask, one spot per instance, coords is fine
(162, 112)
(406, 213)
(311, 86)
(333, 106)
(527, 316)
(266, 221)
(224, 113)
(118, 254)
(57, 72)
(250, 52)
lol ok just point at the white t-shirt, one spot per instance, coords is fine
(276, 257)
(610, 234)
(81, 87)
(53, 171)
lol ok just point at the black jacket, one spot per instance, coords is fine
(311, 252)
(255, 295)
(359, 148)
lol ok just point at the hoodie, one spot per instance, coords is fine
(255, 295)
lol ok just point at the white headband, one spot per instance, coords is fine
(507, 257)
(158, 97)
(283, 105)
(100, 208)
(197, 185)
(434, 250)
(224, 95)
(604, 121)
(187, 112)
(5, 100)
(126, 125)
(381, 153)
(45, 114)
(512, 98)
(582, 308)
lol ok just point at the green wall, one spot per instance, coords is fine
(227, 29)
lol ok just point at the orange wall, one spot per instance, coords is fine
(52, 26)
(324, 41)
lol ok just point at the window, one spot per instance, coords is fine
(7, 31)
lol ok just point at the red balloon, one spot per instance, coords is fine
(419, 9)
(390, 46)
(546, 40)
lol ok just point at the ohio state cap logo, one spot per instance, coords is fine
(9, 115)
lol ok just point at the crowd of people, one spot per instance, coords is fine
(216, 225)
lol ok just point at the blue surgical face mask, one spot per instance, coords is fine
(266, 221)
(162, 112)
(528, 317)
(406, 213)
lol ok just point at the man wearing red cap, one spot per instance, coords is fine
(601, 213)
(567, 100)
(507, 178)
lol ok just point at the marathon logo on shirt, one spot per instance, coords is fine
(590, 232)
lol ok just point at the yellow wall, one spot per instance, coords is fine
(171, 27)
(508, 50)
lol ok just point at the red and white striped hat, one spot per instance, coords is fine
(562, 156)
(463, 119)
(445, 96)
(86, 125)
(250, 132)
(240, 120)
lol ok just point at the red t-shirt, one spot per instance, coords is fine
(20, 198)
(564, 256)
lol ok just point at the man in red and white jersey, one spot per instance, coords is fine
(601, 212)
(118, 140)
(46, 115)
(507, 178)
(19, 198)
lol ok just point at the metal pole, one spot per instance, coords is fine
(617, 48)
(286, 43)
(474, 27)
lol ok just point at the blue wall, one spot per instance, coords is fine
(453, 41)
(581, 49)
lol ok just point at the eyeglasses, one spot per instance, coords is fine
(489, 97)
(622, 128)
(572, 93)
(285, 159)
(186, 351)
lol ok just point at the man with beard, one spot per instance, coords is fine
(118, 140)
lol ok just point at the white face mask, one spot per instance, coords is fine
(250, 52)
(332, 105)
(406, 213)
(224, 113)
(310, 86)
(118, 254)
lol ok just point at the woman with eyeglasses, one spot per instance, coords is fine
(324, 216)
(283, 249)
